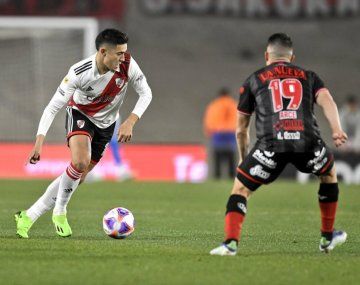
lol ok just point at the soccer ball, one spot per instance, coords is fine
(118, 223)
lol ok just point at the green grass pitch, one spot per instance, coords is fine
(177, 225)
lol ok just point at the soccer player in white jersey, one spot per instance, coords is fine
(94, 90)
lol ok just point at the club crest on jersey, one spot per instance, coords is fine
(119, 82)
(80, 123)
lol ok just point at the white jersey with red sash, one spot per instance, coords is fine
(99, 97)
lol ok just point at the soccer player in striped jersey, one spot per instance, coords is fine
(93, 90)
(283, 95)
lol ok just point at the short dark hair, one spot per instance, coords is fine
(112, 37)
(280, 39)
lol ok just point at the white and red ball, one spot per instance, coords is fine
(119, 223)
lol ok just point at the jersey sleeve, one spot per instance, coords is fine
(246, 104)
(60, 98)
(318, 85)
(138, 81)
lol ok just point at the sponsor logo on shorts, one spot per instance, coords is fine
(264, 159)
(319, 155)
(242, 207)
(80, 123)
(319, 165)
(257, 170)
(269, 153)
(68, 190)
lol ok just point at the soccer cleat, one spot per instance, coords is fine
(62, 226)
(338, 238)
(23, 224)
(225, 249)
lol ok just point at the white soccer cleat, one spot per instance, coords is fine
(338, 238)
(229, 249)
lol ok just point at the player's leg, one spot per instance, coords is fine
(80, 131)
(46, 202)
(122, 171)
(231, 164)
(217, 163)
(87, 171)
(114, 146)
(328, 201)
(255, 170)
(236, 209)
(80, 147)
(99, 143)
(320, 162)
(25, 219)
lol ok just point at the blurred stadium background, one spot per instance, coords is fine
(187, 49)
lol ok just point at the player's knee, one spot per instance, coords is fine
(240, 189)
(329, 177)
(82, 164)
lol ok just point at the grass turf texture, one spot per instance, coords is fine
(177, 225)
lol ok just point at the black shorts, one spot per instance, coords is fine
(77, 123)
(263, 167)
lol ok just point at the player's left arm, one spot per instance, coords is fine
(138, 80)
(329, 107)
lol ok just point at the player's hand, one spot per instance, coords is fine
(34, 155)
(126, 128)
(125, 132)
(339, 137)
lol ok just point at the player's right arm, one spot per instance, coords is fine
(242, 134)
(328, 105)
(60, 98)
(245, 108)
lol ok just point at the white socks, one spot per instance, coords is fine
(45, 202)
(69, 181)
